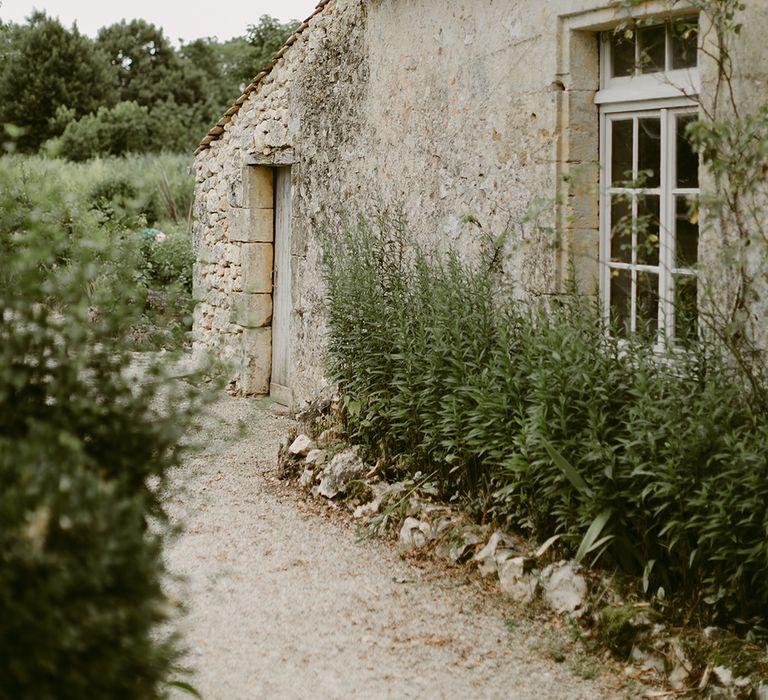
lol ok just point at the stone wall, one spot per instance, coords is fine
(478, 117)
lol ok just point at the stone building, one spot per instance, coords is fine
(534, 117)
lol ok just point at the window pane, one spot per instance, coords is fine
(647, 304)
(685, 35)
(621, 229)
(686, 231)
(621, 150)
(621, 290)
(648, 230)
(649, 152)
(687, 159)
(686, 314)
(622, 53)
(652, 48)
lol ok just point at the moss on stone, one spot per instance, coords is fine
(617, 629)
(359, 492)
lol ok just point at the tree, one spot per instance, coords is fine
(85, 453)
(45, 66)
(216, 64)
(124, 128)
(264, 40)
(144, 65)
(56, 83)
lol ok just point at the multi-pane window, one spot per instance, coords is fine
(654, 48)
(650, 182)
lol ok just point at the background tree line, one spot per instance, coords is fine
(127, 90)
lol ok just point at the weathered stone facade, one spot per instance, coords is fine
(475, 116)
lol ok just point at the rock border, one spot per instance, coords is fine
(332, 471)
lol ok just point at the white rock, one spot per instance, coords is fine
(316, 458)
(302, 445)
(681, 671)
(427, 529)
(761, 692)
(487, 567)
(411, 534)
(344, 467)
(714, 634)
(723, 675)
(367, 509)
(470, 538)
(489, 550)
(327, 436)
(565, 590)
(648, 660)
(442, 525)
(678, 678)
(515, 582)
(306, 479)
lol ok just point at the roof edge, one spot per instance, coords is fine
(218, 128)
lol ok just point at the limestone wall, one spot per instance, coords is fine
(478, 116)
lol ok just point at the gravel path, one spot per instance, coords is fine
(286, 603)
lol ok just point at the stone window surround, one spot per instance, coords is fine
(578, 149)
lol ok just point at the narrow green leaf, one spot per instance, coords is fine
(541, 551)
(647, 574)
(186, 687)
(593, 533)
(567, 468)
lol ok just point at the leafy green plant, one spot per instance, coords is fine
(120, 198)
(536, 416)
(85, 451)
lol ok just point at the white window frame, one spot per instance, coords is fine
(664, 94)
(684, 82)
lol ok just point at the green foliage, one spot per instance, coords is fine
(144, 65)
(129, 90)
(654, 465)
(85, 452)
(164, 270)
(617, 629)
(44, 67)
(119, 198)
(734, 149)
(264, 39)
(224, 68)
(168, 261)
(124, 128)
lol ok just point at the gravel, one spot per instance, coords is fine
(284, 601)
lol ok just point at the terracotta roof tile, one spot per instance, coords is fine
(218, 129)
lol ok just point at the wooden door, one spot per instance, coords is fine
(281, 293)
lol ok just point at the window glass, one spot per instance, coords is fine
(648, 230)
(621, 229)
(621, 291)
(653, 42)
(687, 160)
(621, 150)
(622, 53)
(686, 231)
(649, 152)
(649, 204)
(684, 42)
(647, 304)
(686, 314)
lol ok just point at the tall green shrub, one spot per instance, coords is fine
(123, 197)
(657, 465)
(85, 451)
